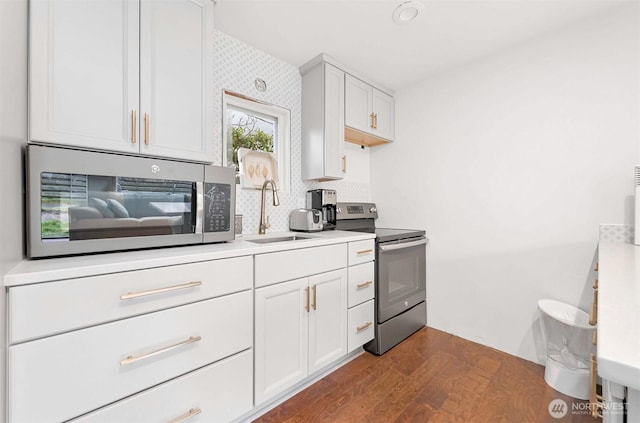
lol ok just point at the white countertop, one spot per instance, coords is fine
(618, 348)
(52, 269)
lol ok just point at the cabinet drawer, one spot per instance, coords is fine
(361, 283)
(288, 265)
(361, 325)
(221, 392)
(361, 251)
(56, 307)
(60, 377)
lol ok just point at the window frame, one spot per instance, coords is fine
(282, 142)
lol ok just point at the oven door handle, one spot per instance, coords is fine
(409, 244)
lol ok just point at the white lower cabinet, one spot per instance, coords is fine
(361, 323)
(219, 392)
(361, 328)
(300, 327)
(60, 377)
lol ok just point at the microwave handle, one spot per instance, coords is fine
(199, 207)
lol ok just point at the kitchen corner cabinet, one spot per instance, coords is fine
(131, 76)
(323, 123)
(368, 111)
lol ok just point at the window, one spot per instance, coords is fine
(258, 126)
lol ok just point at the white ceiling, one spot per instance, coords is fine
(361, 34)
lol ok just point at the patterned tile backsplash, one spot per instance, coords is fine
(616, 233)
(237, 65)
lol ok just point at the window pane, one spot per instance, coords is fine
(249, 129)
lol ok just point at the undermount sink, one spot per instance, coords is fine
(279, 239)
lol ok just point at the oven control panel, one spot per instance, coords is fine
(356, 210)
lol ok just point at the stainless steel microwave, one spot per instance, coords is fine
(87, 202)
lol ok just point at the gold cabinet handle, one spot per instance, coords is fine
(132, 295)
(596, 267)
(363, 327)
(132, 359)
(375, 121)
(594, 339)
(593, 316)
(192, 412)
(313, 304)
(364, 284)
(595, 283)
(147, 120)
(133, 126)
(344, 164)
(306, 305)
(371, 124)
(364, 251)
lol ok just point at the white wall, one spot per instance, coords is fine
(510, 163)
(13, 135)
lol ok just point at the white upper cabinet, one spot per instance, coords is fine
(123, 75)
(176, 87)
(323, 123)
(368, 110)
(83, 72)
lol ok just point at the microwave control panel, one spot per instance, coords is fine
(217, 207)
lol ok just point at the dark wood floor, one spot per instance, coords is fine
(432, 376)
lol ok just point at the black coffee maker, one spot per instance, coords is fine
(324, 200)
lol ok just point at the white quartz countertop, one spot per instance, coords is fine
(52, 269)
(618, 348)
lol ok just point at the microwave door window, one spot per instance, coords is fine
(82, 207)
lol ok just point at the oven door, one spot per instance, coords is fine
(401, 276)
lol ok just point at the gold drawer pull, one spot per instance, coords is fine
(363, 327)
(306, 305)
(594, 339)
(133, 126)
(593, 316)
(313, 305)
(595, 283)
(192, 412)
(365, 251)
(132, 295)
(364, 284)
(132, 359)
(596, 267)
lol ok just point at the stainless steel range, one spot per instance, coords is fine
(401, 288)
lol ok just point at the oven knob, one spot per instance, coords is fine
(338, 210)
(373, 210)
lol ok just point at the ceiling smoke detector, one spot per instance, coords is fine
(407, 12)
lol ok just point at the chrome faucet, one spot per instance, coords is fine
(264, 225)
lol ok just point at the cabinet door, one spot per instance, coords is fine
(281, 337)
(176, 71)
(358, 104)
(383, 107)
(333, 121)
(83, 72)
(327, 318)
